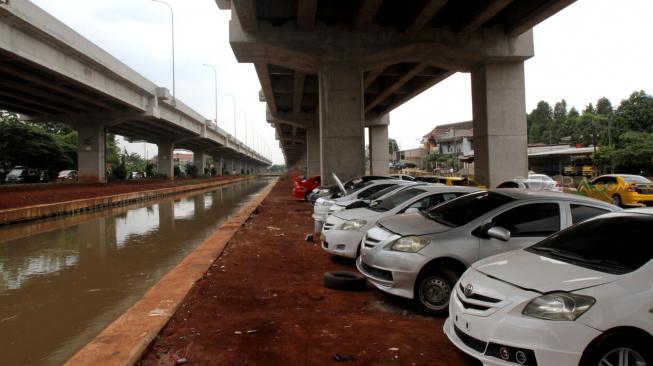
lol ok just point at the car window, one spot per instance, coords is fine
(434, 200)
(370, 191)
(508, 185)
(383, 192)
(613, 244)
(396, 199)
(598, 180)
(464, 209)
(535, 219)
(580, 213)
(635, 179)
(610, 180)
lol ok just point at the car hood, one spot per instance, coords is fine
(356, 213)
(542, 274)
(412, 224)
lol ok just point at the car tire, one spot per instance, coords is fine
(345, 280)
(616, 200)
(433, 291)
(612, 348)
(306, 194)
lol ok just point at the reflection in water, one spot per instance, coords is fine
(136, 222)
(58, 289)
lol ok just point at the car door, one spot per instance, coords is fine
(528, 223)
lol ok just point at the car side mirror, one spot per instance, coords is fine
(499, 233)
(412, 210)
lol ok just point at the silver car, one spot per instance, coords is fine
(420, 256)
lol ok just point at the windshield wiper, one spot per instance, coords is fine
(602, 263)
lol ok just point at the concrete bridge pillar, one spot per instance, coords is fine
(165, 159)
(342, 148)
(237, 166)
(500, 132)
(218, 164)
(312, 149)
(199, 160)
(91, 163)
(378, 137)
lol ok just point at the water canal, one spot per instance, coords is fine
(63, 280)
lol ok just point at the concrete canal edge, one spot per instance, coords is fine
(35, 212)
(123, 342)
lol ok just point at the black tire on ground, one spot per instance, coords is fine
(608, 349)
(433, 291)
(616, 200)
(345, 280)
(306, 195)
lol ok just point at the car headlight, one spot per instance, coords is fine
(559, 306)
(352, 225)
(411, 244)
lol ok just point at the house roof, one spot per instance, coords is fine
(443, 129)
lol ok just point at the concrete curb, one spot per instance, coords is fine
(35, 212)
(123, 342)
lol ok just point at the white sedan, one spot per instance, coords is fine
(344, 230)
(581, 296)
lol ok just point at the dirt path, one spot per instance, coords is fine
(263, 303)
(14, 196)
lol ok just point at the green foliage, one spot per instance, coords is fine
(32, 146)
(119, 171)
(176, 171)
(191, 170)
(392, 146)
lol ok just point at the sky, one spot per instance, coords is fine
(589, 50)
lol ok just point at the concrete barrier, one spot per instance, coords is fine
(35, 212)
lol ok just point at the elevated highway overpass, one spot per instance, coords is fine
(329, 69)
(50, 73)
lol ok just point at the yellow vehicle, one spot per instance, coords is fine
(450, 181)
(620, 189)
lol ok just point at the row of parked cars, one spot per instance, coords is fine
(526, 276)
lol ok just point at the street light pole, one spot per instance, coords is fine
(233, 99)
(172, 22)
(215, 90)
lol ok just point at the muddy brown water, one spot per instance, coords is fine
(63, 280)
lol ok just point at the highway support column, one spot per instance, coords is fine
(378, 139)
(342, 148)
(312, 148)
(199, 160)
(91, 165)
(165, 159)
(500, 131)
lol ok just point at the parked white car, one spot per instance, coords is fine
(356, 202)
(421, 256)
(534, 181)
(582, 296)
(360, 192)
(343, 231)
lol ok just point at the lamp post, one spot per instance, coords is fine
(215, 90)
(233, 99)
(172, 23)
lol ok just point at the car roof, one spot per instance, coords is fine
(433, 188)
(526, 194)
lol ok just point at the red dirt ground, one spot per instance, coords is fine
(263, 303)
(14, 196)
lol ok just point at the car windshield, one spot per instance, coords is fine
(384, 191)
(615, 244)
(540, 177)
(635, 179)
(15, 173)
(461, 211)
(395, 200)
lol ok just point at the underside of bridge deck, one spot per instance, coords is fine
(346, 64)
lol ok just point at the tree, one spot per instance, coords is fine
(539, 123)
(392, 146)
(634, 154)
(603, 106)
(28, 145)
(635, 113)
(559, 120)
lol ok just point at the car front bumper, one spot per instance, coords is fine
(342, 242)
(390, 271)
(505, 332)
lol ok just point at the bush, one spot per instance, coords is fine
(119, 172)
(177, 171)
(191, 170)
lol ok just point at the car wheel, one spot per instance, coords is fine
(616, 200)
(306, 195)
(345, 280)
(619, 350)
(433, 290)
